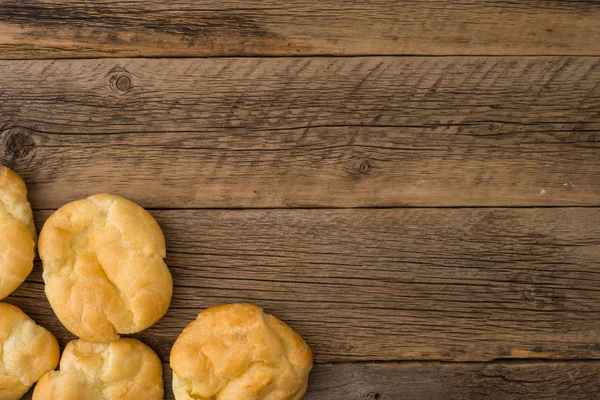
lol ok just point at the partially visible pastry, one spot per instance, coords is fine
(13, 198)
(125, 369)
(27, 352)
(104, 269)
(17, 232)
(238, 352)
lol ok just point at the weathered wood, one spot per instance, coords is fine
(306, 132)
(372, 285)
(74, 29)
(431, 381)
(451, 381)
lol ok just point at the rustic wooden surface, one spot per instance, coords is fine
(463, 135)
(306, 132)
(432, 381)
(427, 381)
(462, 284)
(152, 28)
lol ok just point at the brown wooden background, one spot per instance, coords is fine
(414, 186)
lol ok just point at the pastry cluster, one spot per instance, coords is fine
(105, 275)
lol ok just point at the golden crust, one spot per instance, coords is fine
(27, 352)
(238, 352)
(104, 269)
(13, 198)
(17, 232)
(126, 369)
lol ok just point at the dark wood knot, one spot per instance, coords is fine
(494, 127)
(123, 83)
(365, 167)
(18, 144)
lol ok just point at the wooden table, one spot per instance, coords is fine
(414, 186)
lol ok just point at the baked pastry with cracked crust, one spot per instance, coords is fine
(126, 369)
(104, 269)
(17, 232)
(238, 352)
(27, 352)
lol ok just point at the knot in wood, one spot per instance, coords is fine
(123, 83)
(365, 167)
(493, 127)
(18, 144)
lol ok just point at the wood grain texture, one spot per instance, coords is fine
(431, 381)
(153, 28)
(373, 285)
(306, 132)
(578, 380)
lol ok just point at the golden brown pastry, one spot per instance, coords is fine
(104, 268)
(17, 232)
(27, 352)
(238, 352)
(126, 369)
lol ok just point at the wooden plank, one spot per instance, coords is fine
(578, 380)
(306, 132)
(430, 381)
(386, 284)
(153, 28)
